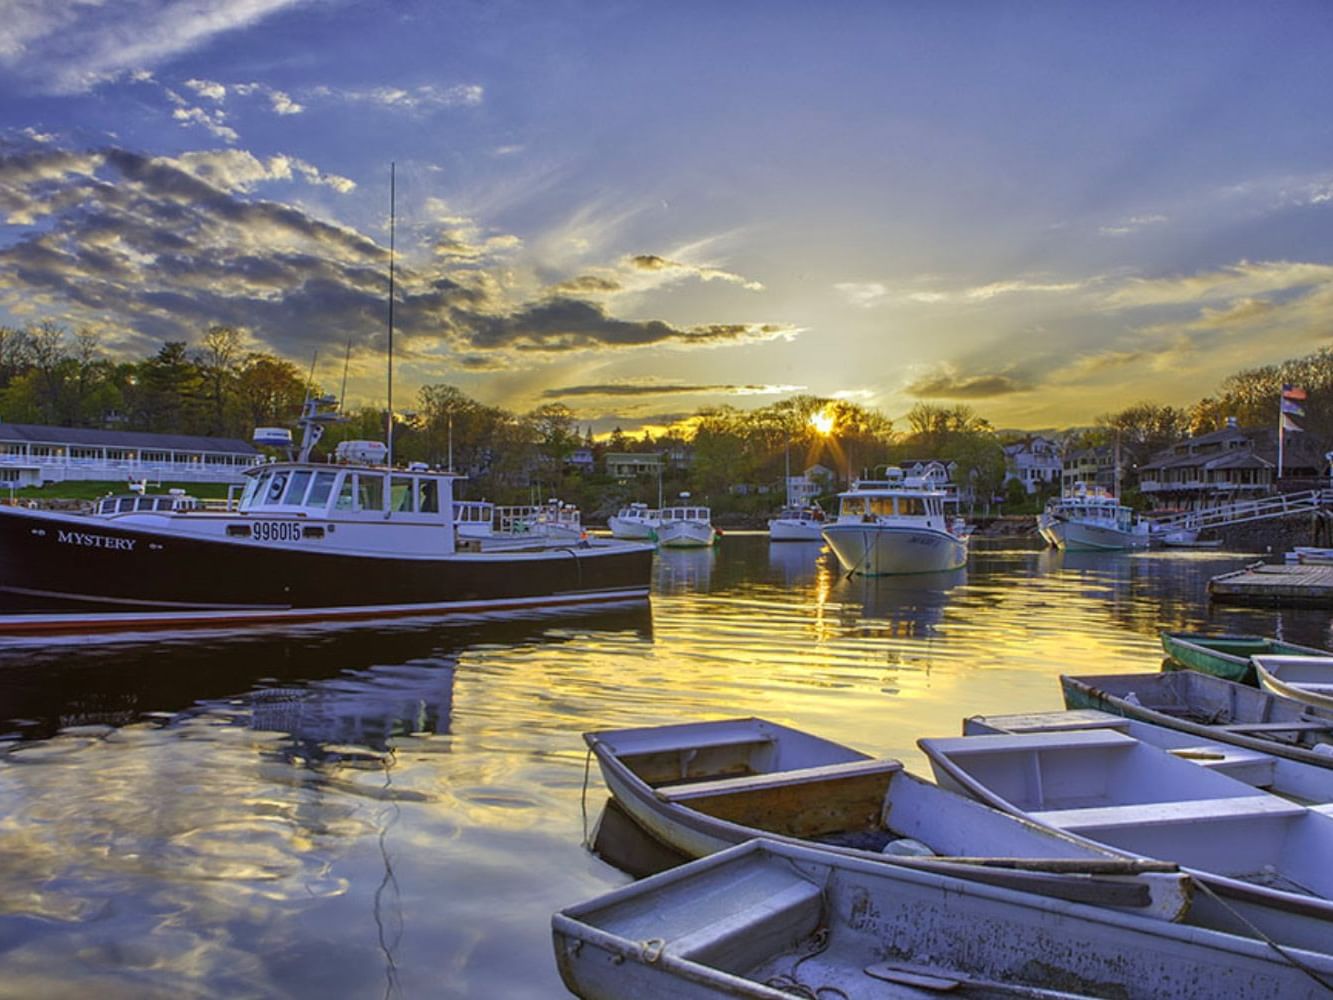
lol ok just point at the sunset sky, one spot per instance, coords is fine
(1047, 211)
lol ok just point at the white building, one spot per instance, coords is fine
(33, 454)
(802, 489)
(1033, 462)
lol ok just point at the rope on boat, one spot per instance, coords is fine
(1282, 952)
(583, 799)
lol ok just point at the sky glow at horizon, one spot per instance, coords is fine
(1045, 211)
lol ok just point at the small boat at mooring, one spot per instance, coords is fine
(1262, 861)
(772, 921)
(700, 787)
(685, 526)
(638, 522)
(1228, 656)
(898, 524)
(1289, 778)
(797, 524)
(1211, 708)
(1307, 679)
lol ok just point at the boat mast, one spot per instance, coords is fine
(389, 436)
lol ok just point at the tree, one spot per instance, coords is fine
(269, 391)
(218, 357)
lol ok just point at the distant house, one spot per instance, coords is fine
(1229, 463)
(1089, 466)
(935, 471)
(630, 465)
(803, 489)
(581, 459)
(1034, 462)
(33, 454)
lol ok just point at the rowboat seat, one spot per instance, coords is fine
(1249, 766)
(778, 779)
(1141, 814)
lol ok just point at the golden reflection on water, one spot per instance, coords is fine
(399, 813)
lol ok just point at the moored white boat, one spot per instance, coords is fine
(1264, 861)
(685, 526)
(797, 524)
(637, 521)
(1090, 519)
(703, 786)
(1307, 679)
(896, 525)
(772, 921)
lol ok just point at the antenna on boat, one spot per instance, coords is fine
(392, 196)
(342, 393)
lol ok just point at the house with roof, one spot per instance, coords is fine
(34, 454)
(1035, 462)
(813, 482)
(1089, 467)
(631, 464)
(1228, 464)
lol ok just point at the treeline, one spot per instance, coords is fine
(49, 375)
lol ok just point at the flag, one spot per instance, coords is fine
(1292, 392)
(1290, 425)
(1294, 408)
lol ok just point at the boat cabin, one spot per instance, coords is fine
(173, 502)
(312, 490)
(701, 514)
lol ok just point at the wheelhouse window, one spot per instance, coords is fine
(400, 494)
(369, 491)
(321, 489)
(911, 506)
(852, 506)
(881, 506)
(254, 486)
(428, 496)
(300, 481)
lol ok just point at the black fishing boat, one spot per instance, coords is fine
(308, 540)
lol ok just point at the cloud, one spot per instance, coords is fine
(279, 101)
(675, 269)
(869, 294)
(1132, 225)
(166, 247)
(70, 46)
(946, 383)
(420, 99)
(213, 121)
(666, 389)
(208, 88)
(1243, 280)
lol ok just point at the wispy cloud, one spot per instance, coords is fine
(422, 98)
(871, 294)
(1243, 280)
(947, 382)
(1132, 225)
(674, 269)
(70, 46)
(667, 389)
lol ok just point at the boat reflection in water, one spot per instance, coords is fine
(320, 683)
(684, 570)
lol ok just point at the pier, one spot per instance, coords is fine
(1267, 585)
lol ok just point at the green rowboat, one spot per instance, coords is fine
(1228, 656)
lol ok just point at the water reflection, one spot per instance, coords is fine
(398, 811)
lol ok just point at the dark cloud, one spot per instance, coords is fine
(949, 386)
(148, 245)
(588, 284)
(652, 262)
(623, 389)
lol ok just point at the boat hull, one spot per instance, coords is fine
(68, 563)
(631, 529)
(1303, 678)
(1228, 656)
(883, 550)
(787, 529)
(764, 913)
(1077, 536)
(686, 535)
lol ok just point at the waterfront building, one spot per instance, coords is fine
(34, 454)
(1232, 463)
(1090, 467)
(813, 482)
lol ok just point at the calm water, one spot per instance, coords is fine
(398, 813)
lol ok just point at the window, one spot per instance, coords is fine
(400, 494)
(346, 493)
(911, 506)
(428, 496)
(320, 489)
(370, 492)
(296, 490)
(275, 487)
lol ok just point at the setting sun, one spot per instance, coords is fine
(822, 422)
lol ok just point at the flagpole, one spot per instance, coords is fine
(1281, 431)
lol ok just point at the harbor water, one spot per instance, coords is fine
(397, 813)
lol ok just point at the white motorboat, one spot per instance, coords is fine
(1307, 679)
(637, 521)
(1264, 862)
(699, 787)
(896, 525)
(773, 921)
(797, 524)
(1090, 519)
(686, 527)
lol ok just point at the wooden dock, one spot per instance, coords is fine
(1276, 586)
